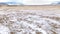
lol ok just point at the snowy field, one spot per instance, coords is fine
(29, 22)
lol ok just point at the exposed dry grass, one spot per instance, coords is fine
(13, 13)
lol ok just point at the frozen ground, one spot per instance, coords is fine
(29, 22)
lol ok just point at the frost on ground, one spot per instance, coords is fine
(29, 22)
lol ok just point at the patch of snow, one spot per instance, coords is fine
(4, 30)
(25, 22)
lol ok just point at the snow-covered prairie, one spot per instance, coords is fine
(29, 22)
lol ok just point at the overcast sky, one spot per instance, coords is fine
(31, 2)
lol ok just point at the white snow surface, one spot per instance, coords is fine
(29, 22)
(4, 30)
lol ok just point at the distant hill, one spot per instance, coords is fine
(10, 3)
(56, 3)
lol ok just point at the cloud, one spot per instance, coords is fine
(4, 0)
(38, 2)
(31, 2)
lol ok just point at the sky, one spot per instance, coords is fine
(31, 2)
